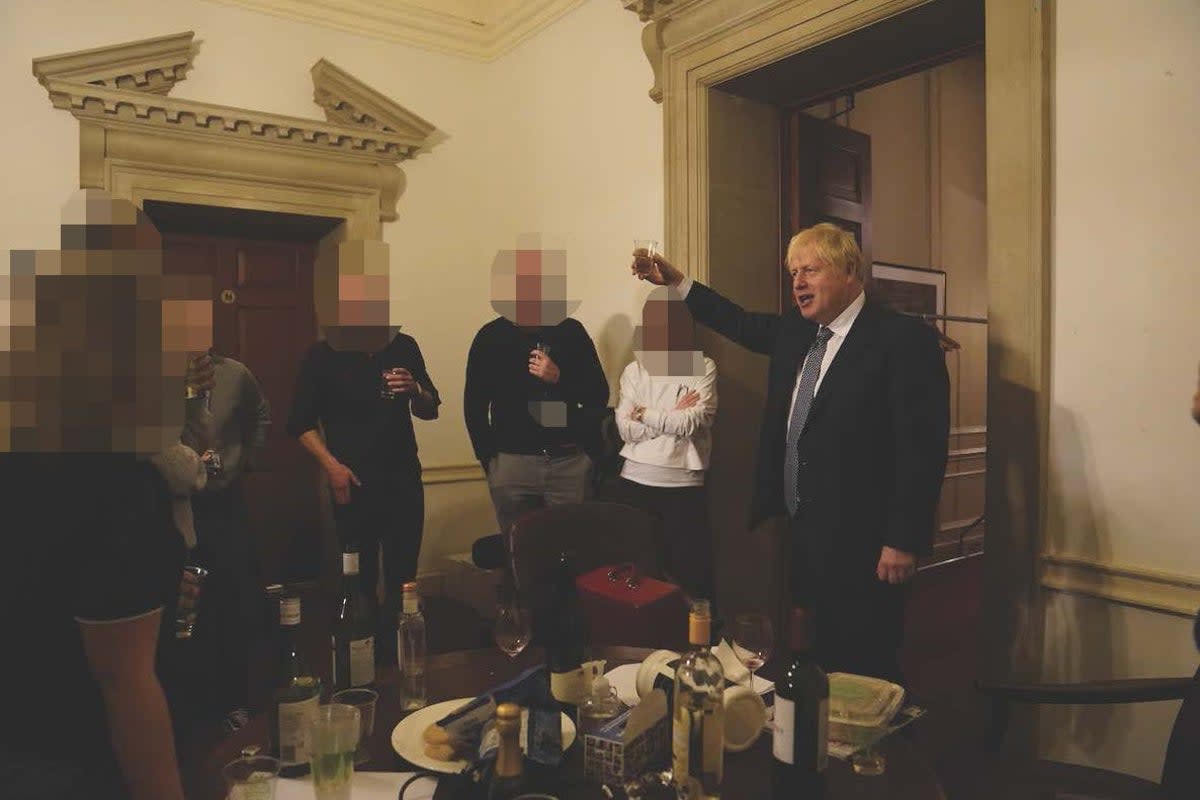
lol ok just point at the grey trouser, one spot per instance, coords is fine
(520, 483)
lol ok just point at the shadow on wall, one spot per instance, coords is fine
(1012, 600)
(1081, 640)
(614, 345)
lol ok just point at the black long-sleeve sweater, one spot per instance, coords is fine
(500, 398)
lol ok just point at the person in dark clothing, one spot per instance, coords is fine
(90, 578)
(853, 442)
(356, 394)
(235, 613)
(533, 383)
(96, 584)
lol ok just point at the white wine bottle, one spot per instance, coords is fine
(697, 731)
(297, 695)
(353, 639)
(410, 646)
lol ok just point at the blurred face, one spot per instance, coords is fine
(363, 300)
(667, 325)
(821, 291)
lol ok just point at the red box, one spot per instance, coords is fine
(651, 613)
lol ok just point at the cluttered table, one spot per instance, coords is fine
(472, 672)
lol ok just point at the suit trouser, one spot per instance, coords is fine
(521, 483)
(386, 513)
(859, 619)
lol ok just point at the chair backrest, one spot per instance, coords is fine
(594, 533)
(1181, 769)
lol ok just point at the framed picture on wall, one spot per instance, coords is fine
(912, 290)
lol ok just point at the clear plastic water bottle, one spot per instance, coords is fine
(410, 649)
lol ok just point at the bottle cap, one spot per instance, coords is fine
(410, 586)
(508, 711)
(699, 623)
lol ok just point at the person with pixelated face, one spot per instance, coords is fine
(91, 386)
(533, 381)
(356, 393)
(665, 414)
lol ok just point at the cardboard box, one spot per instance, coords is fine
(635, 742)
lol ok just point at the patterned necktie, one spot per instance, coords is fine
(804, 399)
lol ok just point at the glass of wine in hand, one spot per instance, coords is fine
(753, 641)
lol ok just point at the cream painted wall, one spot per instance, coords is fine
(744, 265)
(896, 117)
(1124, 454)
(557, 137)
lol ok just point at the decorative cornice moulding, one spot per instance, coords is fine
(496, 29)
(350, 102)
(91, 102)
(148, 65)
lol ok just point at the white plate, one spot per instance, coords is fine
(408, 737)
(624, 680)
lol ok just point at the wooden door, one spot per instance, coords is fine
(826, 178)
(263, 316)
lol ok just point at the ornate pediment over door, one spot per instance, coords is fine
(140, 144)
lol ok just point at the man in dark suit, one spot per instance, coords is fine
(853, 442)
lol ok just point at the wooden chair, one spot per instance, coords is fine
(1048, 779)
(594, 533)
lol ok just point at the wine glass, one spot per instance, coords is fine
(512, 628)
(753, 641)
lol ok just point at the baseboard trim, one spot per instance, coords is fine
(1167, 592)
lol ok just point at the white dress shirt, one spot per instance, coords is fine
(841, 329)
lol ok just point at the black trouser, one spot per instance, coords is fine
(683, 535)
(233, 609)
(859, 619)
(388, 510)
(207, 676)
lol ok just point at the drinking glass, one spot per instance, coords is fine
(185, 612)
(512, 629)
(251, 777)
(753, 641)
(364, 700)
(333, 737)
(649, 245)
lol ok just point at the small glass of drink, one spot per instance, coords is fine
(333, 738)
(185, 614)
(385, 391)
(364, 700)
(251, 777)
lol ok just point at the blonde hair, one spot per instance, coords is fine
(831, 245)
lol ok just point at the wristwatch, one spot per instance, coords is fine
(638, 414)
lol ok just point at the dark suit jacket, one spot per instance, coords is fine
(873, 451)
